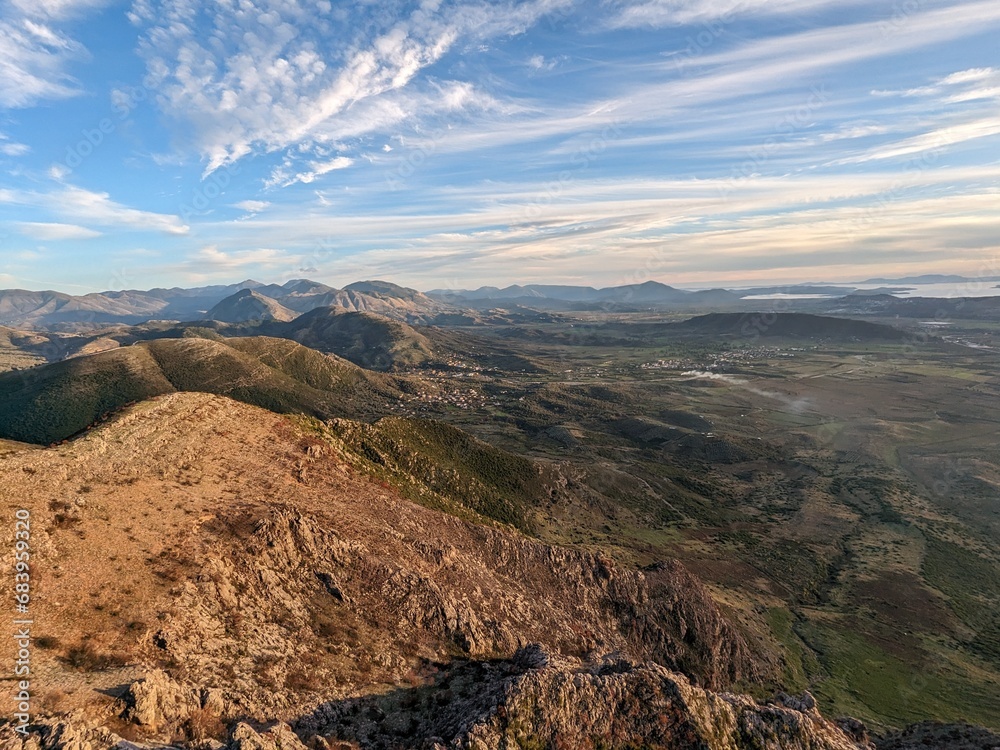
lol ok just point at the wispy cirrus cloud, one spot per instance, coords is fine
(931, 141)
(282, 177)
(78, 204)
(12, 148)
(55, 231)
(36, 53)
(726, 78)
(210, 263)
(252, 206)
(280, 74)
(680, 229)
(657, 13)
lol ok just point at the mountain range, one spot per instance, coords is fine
(251, 301)
(248, 300)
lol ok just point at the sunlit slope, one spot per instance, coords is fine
(54, 402)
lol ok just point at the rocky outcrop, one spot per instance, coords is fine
(157, 702)
(534, 700)
(563, 704)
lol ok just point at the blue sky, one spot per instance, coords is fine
(458, 143)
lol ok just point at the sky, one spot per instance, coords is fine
(456, 143)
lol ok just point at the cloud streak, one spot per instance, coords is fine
(53, 231)
(79, 204)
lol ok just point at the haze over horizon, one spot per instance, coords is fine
(457, 144)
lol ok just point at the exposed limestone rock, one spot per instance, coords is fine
(71, 732)
(158, 701)
(278, 737)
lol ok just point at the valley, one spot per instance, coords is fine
(829, 487)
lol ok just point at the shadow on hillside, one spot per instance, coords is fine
(444, 701)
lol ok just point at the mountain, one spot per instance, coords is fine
(557, 297)
(927, 308)
(378, 297)
(51, 403)
(226, 577)
(372, 341)
(930, 278)
(247, 305)
(788, 325)
(58, 311)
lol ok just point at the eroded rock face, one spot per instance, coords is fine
(301, 603)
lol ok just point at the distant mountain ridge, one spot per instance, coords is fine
(557, 296)
(234, 303)
(252, 300)
(929, 278)
(788, 325)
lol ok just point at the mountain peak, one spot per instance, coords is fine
(249, 304)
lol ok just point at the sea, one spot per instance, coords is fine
(947, 290)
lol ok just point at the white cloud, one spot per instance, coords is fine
(210, 262)
(539, 63)
(656, 13)
(47, 231)
(772, 65)
(853, 131)
(985, 83)
(279, 73)
(252, 207)
(33, 62)
(813, 224)
(211, 256)
(98, 208)
(12, 148)
(281, 177)
(35, 55)
(57, 9)
(78, 204)
(931, 141)
(973, 75)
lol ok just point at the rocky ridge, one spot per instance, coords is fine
(262, 579)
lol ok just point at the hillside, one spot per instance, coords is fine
(466, 472)
(368, 340)
(53, 402)
(253, 587)
(787, 325)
